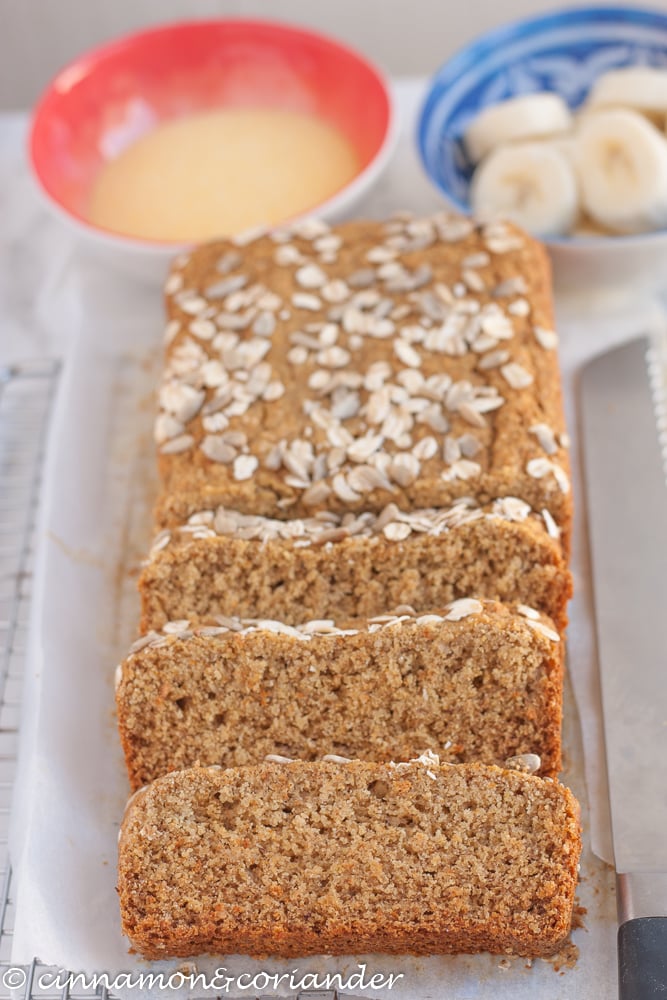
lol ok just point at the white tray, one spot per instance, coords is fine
(72, 789)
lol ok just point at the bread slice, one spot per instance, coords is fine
(477, 681)
(318, 857)
(411, 361)
(331, 566)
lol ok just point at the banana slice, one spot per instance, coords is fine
(638, 88)
(531, 116)
(622, 167)
(533, 184)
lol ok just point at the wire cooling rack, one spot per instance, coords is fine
(27, 394)
(26, 398)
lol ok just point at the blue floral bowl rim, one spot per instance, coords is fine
(481, 46)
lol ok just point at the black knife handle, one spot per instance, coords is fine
(642, 959)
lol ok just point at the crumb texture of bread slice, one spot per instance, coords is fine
(211, 566)
(313, 858)
(476, 681)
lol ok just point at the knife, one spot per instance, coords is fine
(626, 494)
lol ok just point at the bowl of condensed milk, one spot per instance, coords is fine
(203, 129)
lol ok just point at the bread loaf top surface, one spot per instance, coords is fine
(412, 361)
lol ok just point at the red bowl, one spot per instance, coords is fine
(110, 96)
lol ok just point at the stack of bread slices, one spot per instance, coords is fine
(342, 719)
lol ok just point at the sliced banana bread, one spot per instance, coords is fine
(476, 681)
(318, 857)
(332, 566)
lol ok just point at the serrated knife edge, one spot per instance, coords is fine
(627, 514)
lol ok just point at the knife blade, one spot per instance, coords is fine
(626, 495)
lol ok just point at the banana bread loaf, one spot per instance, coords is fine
(409, 362)
(332, 566)
(318, 857)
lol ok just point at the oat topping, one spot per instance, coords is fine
(462, 468)
(493, 359)
(511, 286)
(172, 328)
(244, 466)
(519, 307)
(396, 532)
(176, 627)
(310, 276)
(174, 283)
(181, 443)
(462, 608)
(552, 528)
(327, 526)
(545, 437)
(544, 630)
(529, 763)
(304, 300)
(182, 629)
(540, 467)
(203, 329)
(548, 339)
(226, 286)
(366, 423)
(516, 376)
(528, 612)
(428, 760)
(216, 448)
(335, 291)
(167, 427)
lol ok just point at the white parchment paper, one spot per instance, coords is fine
(95, 520)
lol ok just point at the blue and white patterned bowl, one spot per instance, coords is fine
(564, 52)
